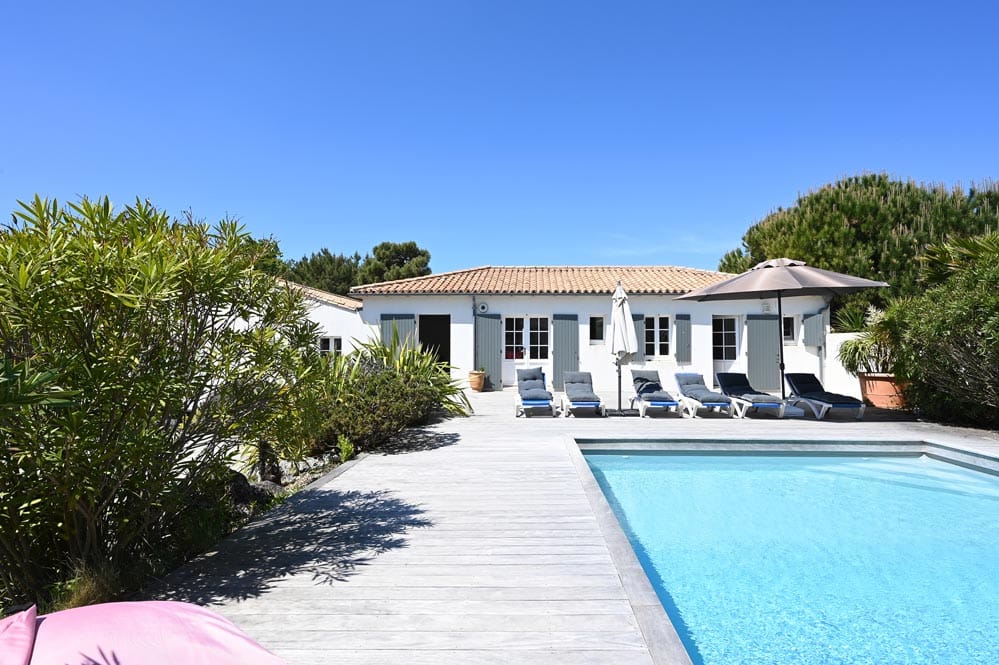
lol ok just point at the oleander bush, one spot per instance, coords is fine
(141, 353)
(946, 340)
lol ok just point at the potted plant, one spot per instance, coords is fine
(477, 379)
(870, 357)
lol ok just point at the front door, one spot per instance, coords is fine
(763, 339)
(565, 333)
(435, 335)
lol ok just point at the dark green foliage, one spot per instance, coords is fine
(391, 260)
(324, 270)
(947, 341)
(175, 350)
(269, 258)
(869, 226)
(381, 389)
(336, 273)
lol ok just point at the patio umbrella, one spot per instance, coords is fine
(777, 278)
(622, 332)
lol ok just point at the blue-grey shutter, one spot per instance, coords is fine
(815, 330)
(403, 324)
(682, 327)
(489, 348)
(763, 337)
(639, 320)
(565, 347)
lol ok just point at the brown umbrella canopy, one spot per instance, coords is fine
(782, 277)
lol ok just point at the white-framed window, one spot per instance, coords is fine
(596, 330)
(513, 338)
(656, 336)
(525, 337)
(724, 344)
(788, 331)
(330, 345)
(538, 347)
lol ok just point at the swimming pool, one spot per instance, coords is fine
(815, 559)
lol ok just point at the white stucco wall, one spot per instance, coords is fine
(459, 308)
(596, 358)
(339, 322)
(837, 379)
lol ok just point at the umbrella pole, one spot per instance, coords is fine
(619, 385)
(780, 347)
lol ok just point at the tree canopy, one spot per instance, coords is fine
(325, 270)
(870, 226)
(336, 273)
(392, 260)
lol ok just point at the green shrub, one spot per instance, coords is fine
(947, 344)
(178, 351)
(345, 447)
(380, 389)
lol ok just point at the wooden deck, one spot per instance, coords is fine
(484, 545)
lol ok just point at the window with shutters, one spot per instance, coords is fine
(656, 336)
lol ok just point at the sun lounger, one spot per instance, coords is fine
(695, 395)
(745, 397)
(808, 390)
(649, 393)
(579, 395)
(531, 392)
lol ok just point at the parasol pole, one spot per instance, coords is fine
(780, 347)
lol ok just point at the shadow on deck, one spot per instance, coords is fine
(319, 534)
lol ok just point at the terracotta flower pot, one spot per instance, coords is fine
(881, 390)
(476, 380)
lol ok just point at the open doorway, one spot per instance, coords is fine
(435, 335)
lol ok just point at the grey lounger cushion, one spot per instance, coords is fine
(831, 398)
(647, 386)
(692, 385)
(530, 374)
(531, 384)
(579, 387)
(809, 387)
(737, 385)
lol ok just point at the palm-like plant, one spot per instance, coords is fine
(871, 351)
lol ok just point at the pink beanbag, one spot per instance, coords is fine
(146, 633)
(17, 635)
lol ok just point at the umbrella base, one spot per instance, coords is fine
(623, 412)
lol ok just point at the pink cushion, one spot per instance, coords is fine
(17, 634)
(149, 632)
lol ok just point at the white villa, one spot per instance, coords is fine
(557, 317)
(338, 318)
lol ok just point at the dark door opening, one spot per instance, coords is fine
(435, 335)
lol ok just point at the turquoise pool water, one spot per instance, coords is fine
(804, 559)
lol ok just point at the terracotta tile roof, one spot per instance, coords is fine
(325, 296)
(536, 280)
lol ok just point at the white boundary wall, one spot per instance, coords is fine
(837, 379)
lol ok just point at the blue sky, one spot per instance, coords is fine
(503, 133)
